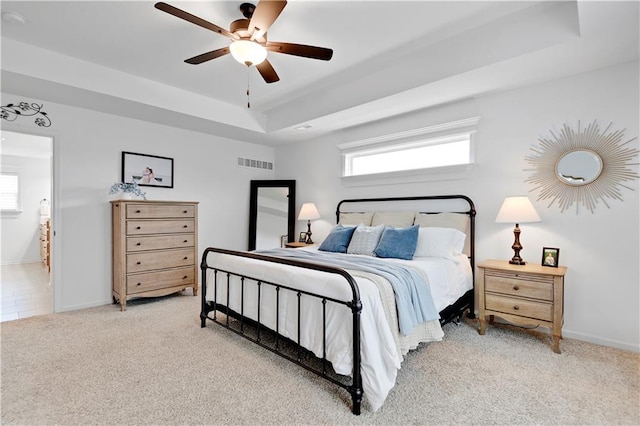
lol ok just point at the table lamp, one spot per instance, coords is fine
(517, 210)
(308, 212)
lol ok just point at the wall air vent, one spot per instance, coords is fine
(255, 164)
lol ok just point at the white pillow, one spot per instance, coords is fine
(444, 220)
(447, 243)
(365, 239)
(458, 221)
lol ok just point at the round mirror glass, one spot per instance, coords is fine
(579, 167)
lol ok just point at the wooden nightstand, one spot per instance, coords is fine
(522, 294)
(296, 245)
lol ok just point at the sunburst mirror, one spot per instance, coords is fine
(582, 167)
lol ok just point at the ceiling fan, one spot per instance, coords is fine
(248, 37)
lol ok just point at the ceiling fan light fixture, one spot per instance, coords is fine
(248, 52)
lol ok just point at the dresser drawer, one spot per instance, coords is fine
(140, 227)
(140, 262)
(139, 283)
(160, 242)
(151, 211)
(518, 285)
(520, 307)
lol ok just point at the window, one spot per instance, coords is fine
(9, 192)
(444, 147)
(423, 155)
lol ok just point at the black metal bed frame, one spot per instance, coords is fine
(275, 342)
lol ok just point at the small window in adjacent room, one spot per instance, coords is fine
(10, 192)
(427, 151)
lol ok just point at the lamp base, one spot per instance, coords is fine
(308, 240)
(516, 259)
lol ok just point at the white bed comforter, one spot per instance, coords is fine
(382, 346)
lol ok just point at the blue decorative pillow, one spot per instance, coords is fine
(398, 243)
(338, 239)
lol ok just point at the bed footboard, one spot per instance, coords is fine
(270, 338)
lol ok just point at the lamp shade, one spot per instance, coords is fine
(248, 52)
(517, 209)
(308, 211)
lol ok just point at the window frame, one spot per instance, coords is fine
(18, 210)
(427, 136)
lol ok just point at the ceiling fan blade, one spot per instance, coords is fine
(267, 72)
(305, 51)
(266, 13)
(194, 19)
(208, 56)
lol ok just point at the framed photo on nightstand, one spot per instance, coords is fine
(303, 237)
(550, 256)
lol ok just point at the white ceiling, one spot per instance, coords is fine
(390, 58)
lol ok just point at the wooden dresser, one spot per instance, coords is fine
(523, 294)
(155, 248)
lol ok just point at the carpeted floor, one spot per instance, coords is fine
(154, 365)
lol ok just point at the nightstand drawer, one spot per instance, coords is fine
(520, 307)
(520, 285)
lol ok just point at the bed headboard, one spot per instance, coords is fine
(455, 211)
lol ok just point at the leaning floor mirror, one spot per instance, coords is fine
(271, 213)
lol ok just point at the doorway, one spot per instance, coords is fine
(26, 162)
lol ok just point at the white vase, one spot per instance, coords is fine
(122, 196)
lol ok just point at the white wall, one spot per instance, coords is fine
(601, 250)
(21, 233)
(87, 161)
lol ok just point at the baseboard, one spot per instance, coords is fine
(21, 262)
(568, 334)
(600, 341)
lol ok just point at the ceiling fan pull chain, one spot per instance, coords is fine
(248, 97)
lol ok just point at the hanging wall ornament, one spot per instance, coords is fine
(582, 167)
(11, 112)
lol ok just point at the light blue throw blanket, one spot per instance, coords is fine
(413, 295)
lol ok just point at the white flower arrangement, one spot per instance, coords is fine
(127, 187)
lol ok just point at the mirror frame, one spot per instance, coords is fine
(616, 158)
(253, 207)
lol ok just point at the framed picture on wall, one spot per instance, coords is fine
(147, 170)
(550, 256)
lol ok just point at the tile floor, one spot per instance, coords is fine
(25, 291)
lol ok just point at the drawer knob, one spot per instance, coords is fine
(516, 308)
(185, 241)
(516, 288)
(184, 278)
(185, 258)
(138, 244)
(137, 227)
(185, 212)
(137, 211)
(138, 263)
(139, 284)
(185, 226)
(517, 275)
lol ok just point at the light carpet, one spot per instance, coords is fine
(154, 365)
